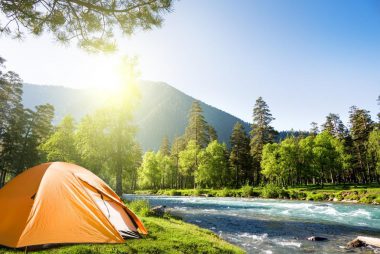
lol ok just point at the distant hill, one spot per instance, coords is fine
(163, 110)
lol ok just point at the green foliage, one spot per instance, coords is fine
(188, 162)
(335, 127)
(361, 127)
(240, 159)
(61, 145)
(213, 168)
(197, 128)
(91, 23)
(141, 207)
(21, 130)
(373, 152)
(273, 191)
(174, 193)
(270, 162)
(149, 174)
(225, 192)
(293, 194)
(317, 196)
(156, 171)
(165, 146)
(247, 191)
(262, 133)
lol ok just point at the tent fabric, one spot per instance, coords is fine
(60, 203)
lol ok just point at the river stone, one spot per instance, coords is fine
(355, 243)
(158, 210)
(316, 238)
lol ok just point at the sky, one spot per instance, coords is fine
(305, 58)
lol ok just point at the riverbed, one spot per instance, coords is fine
(277, 226)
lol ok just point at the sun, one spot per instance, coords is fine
(106, 75)
(115, 80)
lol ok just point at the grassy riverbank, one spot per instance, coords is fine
(166, 235)
(367, 194)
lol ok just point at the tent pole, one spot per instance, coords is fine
(26, 249)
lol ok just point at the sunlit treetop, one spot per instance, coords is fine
(91, 23)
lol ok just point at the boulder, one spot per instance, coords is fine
(317, 238)
(373, 241)
(158, 210)
(356, 243)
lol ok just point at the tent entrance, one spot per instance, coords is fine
(114, 212)
(117, 216)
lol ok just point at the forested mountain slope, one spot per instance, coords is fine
(162, 110)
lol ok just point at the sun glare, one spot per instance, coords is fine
(114, 80)
(106, 75)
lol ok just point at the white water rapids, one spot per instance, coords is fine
(277, 226)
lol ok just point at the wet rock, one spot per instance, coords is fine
(356, 243)
(158, 210)
(372, 241)
(317, 238)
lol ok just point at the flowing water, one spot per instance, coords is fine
(277, 226)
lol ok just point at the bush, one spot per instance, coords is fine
(369, 199)
(339, 196)
(174, 193)
(225, 193)
(140, 207)
(246, 191)
(283, 194)
(317, 196)
(293, 194)
(271, 191)
(352, 196)
(198, 192)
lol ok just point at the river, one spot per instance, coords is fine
(277, 226)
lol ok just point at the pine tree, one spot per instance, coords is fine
(361, 126)
(314, 130)
(165, 146)
(262, 133)
(240, 158)
(197, 128)
(178, 145)
(213, 135)
(335, 126)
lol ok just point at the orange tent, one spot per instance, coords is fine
(63, 203)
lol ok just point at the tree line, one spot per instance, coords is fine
(105, 142)
(330, 153)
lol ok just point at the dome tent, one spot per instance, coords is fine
(63, 203)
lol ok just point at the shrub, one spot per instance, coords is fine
(140, 207)
(246, 191)
(293, 194)
(256, 193)
(352, 196)
(369, 199)
(174, 193)
(339, 196)
(198, 192)
(283, 194)
(225, 193)
(271, 191)
(317, 196)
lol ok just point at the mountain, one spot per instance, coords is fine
(163, 110)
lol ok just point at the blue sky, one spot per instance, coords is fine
(307, 58)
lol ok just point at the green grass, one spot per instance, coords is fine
(166, 235)
(368, 194)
